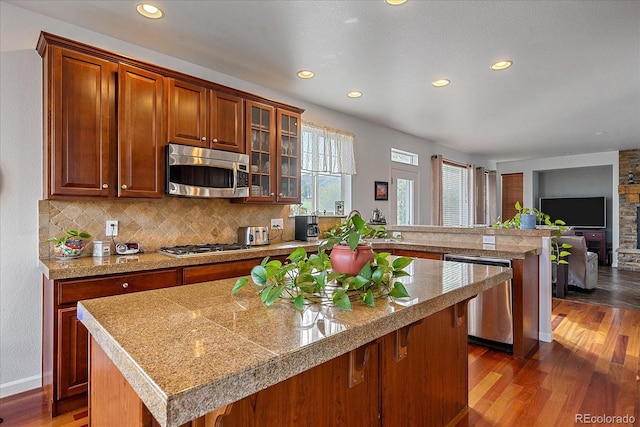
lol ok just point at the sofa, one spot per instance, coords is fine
(583, 265)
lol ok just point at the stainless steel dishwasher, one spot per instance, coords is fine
(490, 314)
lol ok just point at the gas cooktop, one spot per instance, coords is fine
(200, 249)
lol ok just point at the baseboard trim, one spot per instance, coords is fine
(545, 337)
(21, 385)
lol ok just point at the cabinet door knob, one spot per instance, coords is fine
(204, 138)
(272, 194)
(214, 140)
(125, 285)
(105, 185)
(124, 186)
(280, 195)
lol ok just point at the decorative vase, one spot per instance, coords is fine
(344, 261)
(527, 221)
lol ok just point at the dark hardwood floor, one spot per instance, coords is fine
(615, 288)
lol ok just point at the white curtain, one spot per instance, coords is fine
(327, 150)
(436, 190)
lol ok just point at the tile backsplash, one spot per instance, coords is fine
(170, 221)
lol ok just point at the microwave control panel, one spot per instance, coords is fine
(243, 179)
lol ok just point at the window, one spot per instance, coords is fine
(327, 165)
(455, 195)
(400, 156)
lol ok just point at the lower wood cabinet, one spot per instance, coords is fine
(65, 339)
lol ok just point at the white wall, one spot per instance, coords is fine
(21, 159)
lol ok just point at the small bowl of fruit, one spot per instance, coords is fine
(71, 245)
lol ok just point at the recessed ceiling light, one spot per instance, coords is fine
(354, 94)
(395, 2)
(306, 74)
(149, 11)
(440, 82)
(501, 65)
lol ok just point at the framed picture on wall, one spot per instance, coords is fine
(381, 190)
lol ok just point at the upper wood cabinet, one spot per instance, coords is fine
(288, 155)
(92, 150)
(140, 133)
(108, 118)
(273, 145)
(79, 112)
(202, 117)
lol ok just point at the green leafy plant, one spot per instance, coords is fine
(70, 245)
(71, 235)
(352, 232)
(309, 279)
(559, 252)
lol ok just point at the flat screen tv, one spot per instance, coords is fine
(580, 212)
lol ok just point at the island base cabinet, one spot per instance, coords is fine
(415, 376)
(423, 371)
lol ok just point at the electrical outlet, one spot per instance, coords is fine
(488, 240)
(277, 223)
(111, 228)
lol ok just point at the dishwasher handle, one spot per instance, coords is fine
(476, 259)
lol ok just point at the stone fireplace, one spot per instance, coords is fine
(629, 250)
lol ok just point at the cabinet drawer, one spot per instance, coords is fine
(418, 254)
(75, 290)
(226, 270)
(589, 235)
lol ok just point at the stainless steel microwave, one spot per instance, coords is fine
(200, 172)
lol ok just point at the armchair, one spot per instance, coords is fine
(583, 265)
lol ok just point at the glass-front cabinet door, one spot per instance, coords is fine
(261, 150)
(288, 149)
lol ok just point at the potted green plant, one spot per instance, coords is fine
(70, 245)
(349, 252)
(313, 279)
(559, 252)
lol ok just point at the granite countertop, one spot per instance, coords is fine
(189, 350)
(98, 266)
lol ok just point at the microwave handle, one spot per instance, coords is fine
(234, 177)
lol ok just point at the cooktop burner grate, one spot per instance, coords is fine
(201, 249)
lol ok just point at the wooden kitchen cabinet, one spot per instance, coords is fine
(423, 385)
(140, 133)
(288, 156)
(91, 150)
(273, 145)
(261, 146)
(80, 117)
(108, 118)
(65, 339)
(202, 117)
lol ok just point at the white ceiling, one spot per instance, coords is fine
(576, 71)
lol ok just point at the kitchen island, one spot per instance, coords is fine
(196, 352)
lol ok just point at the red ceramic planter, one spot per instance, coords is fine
(345, 261)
